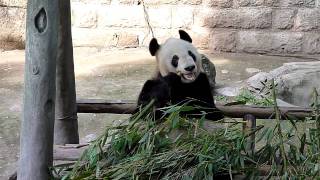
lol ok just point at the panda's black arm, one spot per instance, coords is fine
(206, 96)
(156, 89)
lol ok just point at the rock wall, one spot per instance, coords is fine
(246, 26)
(12, 24)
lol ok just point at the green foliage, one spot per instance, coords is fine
(180, 148)
(221, 98)
(246, 97)
(145, 148)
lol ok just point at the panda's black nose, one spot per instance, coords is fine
(190, 68)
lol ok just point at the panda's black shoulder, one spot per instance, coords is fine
(156, 89)
(202, 80)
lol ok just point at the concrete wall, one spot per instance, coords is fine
(246, 26)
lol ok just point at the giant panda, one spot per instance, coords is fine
(179, 79)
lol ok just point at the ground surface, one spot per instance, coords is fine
(110, 74)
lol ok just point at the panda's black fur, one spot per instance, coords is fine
(169, 89)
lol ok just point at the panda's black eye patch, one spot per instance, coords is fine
(174, 61)
(192, 55)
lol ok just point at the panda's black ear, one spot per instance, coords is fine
(185, 36)
(153, 46)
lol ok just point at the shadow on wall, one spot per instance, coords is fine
(11, 43)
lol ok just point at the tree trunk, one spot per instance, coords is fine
(66, 124)
(36, 139)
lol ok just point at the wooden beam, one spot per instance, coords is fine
(239, 111)
(69, 152)
(234, 111)
(66, 123)
(36, 139)
(105, 106)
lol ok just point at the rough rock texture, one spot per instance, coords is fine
(210, 70)
(295, 81)
(12, 27)
(283, 18)
(13, 3)
(279, 42)
(286, 27)
(223, 41)
(228, 91)
(307, 19)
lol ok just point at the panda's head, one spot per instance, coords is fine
(177, 56)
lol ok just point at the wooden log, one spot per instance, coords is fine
(66, 123)
(105, 106)
(36, 139)
(239, 111)
(234, 111)
(69, 153)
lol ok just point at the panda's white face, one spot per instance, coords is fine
(180, 57)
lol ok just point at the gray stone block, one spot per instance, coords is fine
(14, 3)
(121, 16)
(283, 18)
(274, 42)
(274, 3)
(219, 3)
(84, 16)
(182, 17)
(84, 37)
(243, 3)
(286, 43)
(307, 19)
(311, 43)
(240, 18)
(174, 2)
(93, 1)
(223, 41)
(12, 28)
(299, 3)
(200, 37)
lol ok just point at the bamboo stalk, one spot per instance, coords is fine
(249, 126)
(279, 130)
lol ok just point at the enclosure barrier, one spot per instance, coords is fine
(248, 113)
(49, 94)
(233, 111)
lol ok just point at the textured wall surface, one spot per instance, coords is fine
(246, 26)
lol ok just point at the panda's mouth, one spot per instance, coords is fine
(189, 76)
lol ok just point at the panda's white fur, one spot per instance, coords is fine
(180, 48)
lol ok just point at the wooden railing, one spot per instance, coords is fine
(233, 111)
(248, 113)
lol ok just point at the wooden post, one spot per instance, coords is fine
(247, 128)
(66, 123)
(36, 139)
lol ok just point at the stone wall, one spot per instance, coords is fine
(245, 26)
